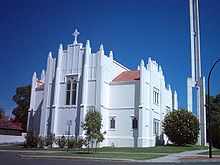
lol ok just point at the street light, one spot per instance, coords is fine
(209, 110)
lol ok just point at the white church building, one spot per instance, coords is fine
(132, 103)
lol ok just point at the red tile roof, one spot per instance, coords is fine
(40, 85)
(128, 76)
(8, 124)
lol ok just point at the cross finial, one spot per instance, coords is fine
(75, 34)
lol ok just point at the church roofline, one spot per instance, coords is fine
(128, 76)
(117, 63)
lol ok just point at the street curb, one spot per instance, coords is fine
(87, 158)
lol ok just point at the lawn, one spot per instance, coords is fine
(124, 152)
(159, 149)
(116, 152)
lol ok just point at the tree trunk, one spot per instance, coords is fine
(88, 147)
(96, 146)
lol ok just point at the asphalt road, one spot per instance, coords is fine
(13, 158)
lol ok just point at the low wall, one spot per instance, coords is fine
(12, 139)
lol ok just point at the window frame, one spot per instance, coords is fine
(156, 96)
(156, 126)
(71, 91)
(134, 122)
(110, 124)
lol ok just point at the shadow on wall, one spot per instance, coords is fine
(49, 120)
(36, 119)
(79, 101)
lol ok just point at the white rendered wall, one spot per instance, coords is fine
(116, 69)
(152, 78)
(122, 136)
(122, 96)
(123, 104)
(71, 62)
(124, 100)
(12, 138)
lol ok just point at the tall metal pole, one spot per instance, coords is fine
(209, 110)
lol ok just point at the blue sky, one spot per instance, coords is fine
(133, 30)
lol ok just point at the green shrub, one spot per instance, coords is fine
(49, 140)
(41, 142)
(31, 140)
(80, 143)
(61, 142)
(181, 127)
(72, 142)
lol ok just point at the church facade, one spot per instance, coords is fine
(132, 103)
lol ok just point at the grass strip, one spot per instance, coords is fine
(133, 156)
(159, 149)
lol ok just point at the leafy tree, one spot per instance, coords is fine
(2, 113)
(215, 120)
(92, 127)
(181, 127)
(100, 138)
(22, 99)
(215, 126)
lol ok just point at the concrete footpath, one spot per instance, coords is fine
(188, 156)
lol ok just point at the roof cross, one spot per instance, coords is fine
(75, 34)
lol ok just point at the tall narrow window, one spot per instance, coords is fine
(68, 87)
(74, 87)
(112, 122)
(156, 127)
(156, 96)
(71, 89)
(134, 123)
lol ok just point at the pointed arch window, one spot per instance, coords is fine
(71, 90)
